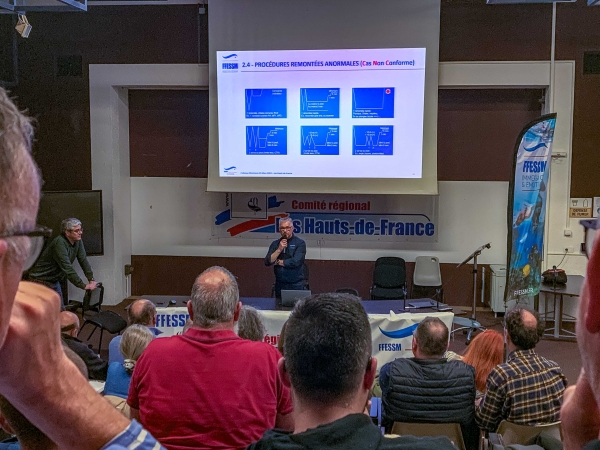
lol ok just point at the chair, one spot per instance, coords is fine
(351, 291)
(105, 320)
(92, 301)
(389, 279)
(427, 275)
(450, 430)
(519, 434)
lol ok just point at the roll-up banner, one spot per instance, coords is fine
(527, 208)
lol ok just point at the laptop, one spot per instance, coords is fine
(290, 297)
(417, 304)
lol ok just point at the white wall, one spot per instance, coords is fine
(470, 213)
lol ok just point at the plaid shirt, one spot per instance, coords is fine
(526, 390)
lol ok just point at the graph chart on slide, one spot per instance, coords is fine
(266, 140)
(319, 103)
(373, 103)
(319, 140)
(372, 140)
(266, 103)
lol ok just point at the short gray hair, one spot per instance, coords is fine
(286, 219)
(19, 177)
(69, 224)
(134, 341)
(250, 324)
(214, 297)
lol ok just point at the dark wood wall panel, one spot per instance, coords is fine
(477, 130)
(168, 133)
(470, 30)
(174, 275)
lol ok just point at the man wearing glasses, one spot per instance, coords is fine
(286, 255)
(56, 262)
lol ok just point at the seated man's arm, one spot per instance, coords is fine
(488, 414)
(61, 256)
(46, 386)
(134, 414)
(297, 259)
(284, 422)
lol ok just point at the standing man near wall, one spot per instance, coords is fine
(287, 255)
(56, 262)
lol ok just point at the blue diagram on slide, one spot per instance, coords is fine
(372, 140)
(319, 140)
(319, 103)
(266, 140)
(373, 103)
(266, 103)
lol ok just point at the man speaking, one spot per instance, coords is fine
(287, 256)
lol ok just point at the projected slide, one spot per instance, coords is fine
(320, 140)
(266, 140)
(372, 140)
(349, 113)
(266, 103)
(375, 103)
(319, 103)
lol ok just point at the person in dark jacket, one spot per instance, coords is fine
(69, 326)
(429, 388)
(55, 264)
(286, 255)
(328, 365)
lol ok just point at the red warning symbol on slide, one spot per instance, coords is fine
(388, 91)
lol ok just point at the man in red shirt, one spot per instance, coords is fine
(208, 388)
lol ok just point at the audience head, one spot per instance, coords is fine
(142, 312)
(69, 323)
(134, 341)
(13, 422)
(484, 353)
(214, 299)
(187, 326)
(250, 324)
(524, 328)
(19, 198)
(327, 350)
(281, 339)
(430, 339)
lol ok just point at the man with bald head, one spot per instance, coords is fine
(212, 388)
(69, 327)
(140, 312)
(527, 389)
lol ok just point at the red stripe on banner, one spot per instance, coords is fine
(253, 224)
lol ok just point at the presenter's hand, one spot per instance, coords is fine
(282, 245)
(279, 262)
(91, 286)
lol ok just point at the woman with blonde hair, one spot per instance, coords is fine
(134, 341)
(484, 353)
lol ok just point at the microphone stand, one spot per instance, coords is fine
(471, 324)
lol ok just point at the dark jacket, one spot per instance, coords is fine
(355, 431)
(430, 390)
(292, 270)
(56, 262)
(97, 368)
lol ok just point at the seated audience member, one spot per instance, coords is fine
(208, 388)
(527, 389)
(580, 414)
(27, 435)
(281, 338)
(250, 324)
(135, 339)
(140, 312)
(484, 353)
(69, 327)
(328, 365)
(428, 387)
(187, 326)
(36, 376)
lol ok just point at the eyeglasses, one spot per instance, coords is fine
(285, 228)
(590, 227)
(78, 231)
(36, 243)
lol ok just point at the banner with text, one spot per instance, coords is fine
(337, 217)
(527, 208)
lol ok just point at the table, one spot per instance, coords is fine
(571, 289)
(391, 326)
